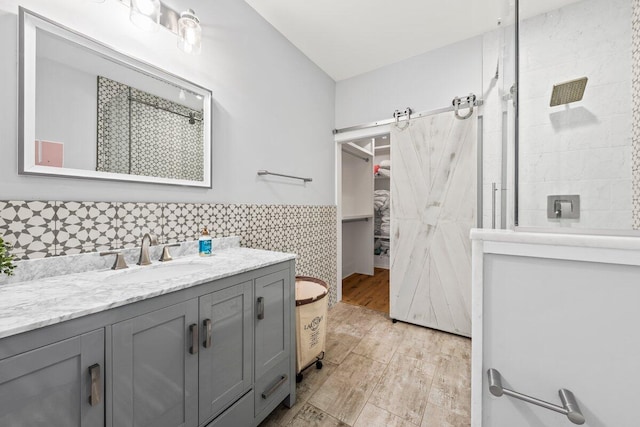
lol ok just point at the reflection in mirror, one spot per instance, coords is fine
(137, 133)
(88, 111)
(575, 115)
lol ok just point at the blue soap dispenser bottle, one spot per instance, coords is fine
(204, 243)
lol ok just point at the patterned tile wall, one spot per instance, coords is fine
(635, 130)
(138, 138)
(38, 229)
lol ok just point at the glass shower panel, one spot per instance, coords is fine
(575, 115)
(498, 113)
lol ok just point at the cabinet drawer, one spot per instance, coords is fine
(273, 387)
(239, 414)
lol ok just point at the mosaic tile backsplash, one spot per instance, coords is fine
(38, 229)
(635, 132)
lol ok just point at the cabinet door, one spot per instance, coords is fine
(155, 368)
(226, 352)
(273, 327)
(51, 386)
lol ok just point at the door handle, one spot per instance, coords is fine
(94, 373)
(193, 328)
(260, 308)
(207, 333)
(283, 379)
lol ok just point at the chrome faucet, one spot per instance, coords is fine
(119, 263)
(147, 240)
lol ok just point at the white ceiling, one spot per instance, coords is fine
(350, 37)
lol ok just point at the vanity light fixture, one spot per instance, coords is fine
(145, 14)
(151, 14)
(189, 32)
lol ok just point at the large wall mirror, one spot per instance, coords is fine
(88, 111)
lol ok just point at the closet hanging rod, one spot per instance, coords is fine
(264, 172)
(366, 159)
(477, 103)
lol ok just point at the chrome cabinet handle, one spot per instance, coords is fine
(282, 380)
(94, 373)
(207, 333)
(193, 328)
(260, 308)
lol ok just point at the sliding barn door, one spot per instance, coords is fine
(433, 208)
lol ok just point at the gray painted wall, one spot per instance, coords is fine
(424, 82)
(274, 108)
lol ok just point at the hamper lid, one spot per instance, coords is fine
(309, 289)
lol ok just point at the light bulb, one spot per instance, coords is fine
(146, 7)
(145, 14)
(189, 32)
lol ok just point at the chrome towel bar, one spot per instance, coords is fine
(569, 406)
(263, 172)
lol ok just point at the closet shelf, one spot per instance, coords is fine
(380, 236)
(357, 217)
(381, 177)
(356, 149)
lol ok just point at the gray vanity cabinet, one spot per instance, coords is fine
(217, 354)
(272, 339)
(58, 385)
(155, 368)
(226, 348)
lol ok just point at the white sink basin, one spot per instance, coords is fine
(155, 272)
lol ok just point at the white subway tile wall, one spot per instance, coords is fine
(585, 147)
(38, 229)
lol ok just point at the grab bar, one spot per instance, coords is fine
(569, 406)
(264, 172)
(494, 188)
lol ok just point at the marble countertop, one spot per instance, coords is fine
(29, 305)
(557, 239)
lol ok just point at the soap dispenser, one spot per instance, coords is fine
(204, 243)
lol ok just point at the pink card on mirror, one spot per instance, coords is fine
(49, 153)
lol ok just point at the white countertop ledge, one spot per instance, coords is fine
(556, 239)
(29, 305)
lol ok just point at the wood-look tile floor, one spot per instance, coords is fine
(379, 373)
(368, 291)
